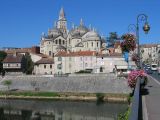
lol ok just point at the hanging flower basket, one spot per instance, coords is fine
(129, 43)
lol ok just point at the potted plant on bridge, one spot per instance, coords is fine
(132, 79)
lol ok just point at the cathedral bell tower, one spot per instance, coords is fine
(62, 22)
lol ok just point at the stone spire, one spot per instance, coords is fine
(81, 22)
(62, 14)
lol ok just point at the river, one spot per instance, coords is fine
(59, 110)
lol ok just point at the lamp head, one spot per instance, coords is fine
(146, 27)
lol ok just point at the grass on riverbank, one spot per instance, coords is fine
(109, 97)
(30, 93)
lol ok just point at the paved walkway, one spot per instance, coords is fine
(151, 101)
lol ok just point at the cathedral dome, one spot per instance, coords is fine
(54, 32)
(91, 35)
(80, 30)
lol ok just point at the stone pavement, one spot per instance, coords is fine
(151, 101)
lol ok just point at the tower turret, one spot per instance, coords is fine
(62, 22)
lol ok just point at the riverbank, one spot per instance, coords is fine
(106, 97)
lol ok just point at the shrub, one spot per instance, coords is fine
(100, 97)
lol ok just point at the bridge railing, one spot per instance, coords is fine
(135, 108)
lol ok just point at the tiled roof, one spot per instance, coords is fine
(79, 53)
(148, 45)
(23, 50)
(45, 61)
(13, 59)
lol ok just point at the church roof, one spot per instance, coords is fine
(79, 53)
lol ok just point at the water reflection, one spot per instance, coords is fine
(58, 110)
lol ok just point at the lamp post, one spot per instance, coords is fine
(146, 28)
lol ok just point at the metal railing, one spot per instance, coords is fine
(135, 108)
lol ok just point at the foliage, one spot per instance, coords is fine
(124, 116)
(31, 93)
(2, 56)
(7, 83)
(100, 97)
(29, 65)
(133, 75)
(135, 57)
(129, 43)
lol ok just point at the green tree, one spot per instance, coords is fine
(29, 65)
(2, 56)
(7, 83)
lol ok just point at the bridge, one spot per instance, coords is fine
(145, 104)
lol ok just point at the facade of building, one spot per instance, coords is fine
(14, 63)
(44, 66)
(149, 53)
(72, 62)
(79, 38)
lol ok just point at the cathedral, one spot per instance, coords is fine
(79, 38)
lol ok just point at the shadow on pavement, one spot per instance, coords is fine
(144, 91)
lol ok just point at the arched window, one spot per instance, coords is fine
(56, 41)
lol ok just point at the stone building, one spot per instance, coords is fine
(14, 63)
(79, 38)
(71, 62)
(149, 53)
(45, 66)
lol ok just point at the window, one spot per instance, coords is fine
(17, 65)
(97, 44)
(63, 42)
(69, 41)
(48, 42)
(60, 41)
(81, 58)
(59, 66)
(86, 65)
(50, 53)
(92, 44)
(56, 42)
(87, 44)
(45, 66)
(8, 65)
(101, 69)
(50, 66)
(59, 58)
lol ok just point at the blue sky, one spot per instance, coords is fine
(23, 21)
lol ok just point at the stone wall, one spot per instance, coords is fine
(86, 84)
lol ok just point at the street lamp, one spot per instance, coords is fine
(146, 28)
